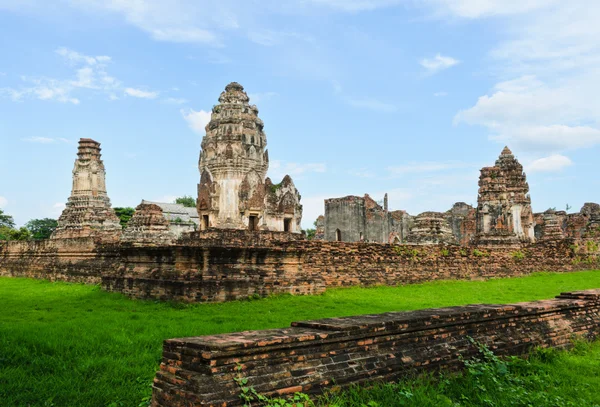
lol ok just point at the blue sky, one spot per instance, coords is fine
(358, 96)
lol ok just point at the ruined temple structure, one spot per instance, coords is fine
(234, 192)
(88, 211)
(462, 221)
(148, 224)
(181, 219)
(504, 214)
(320, 228)
(552, 225)
(362, 219)
(431, 228)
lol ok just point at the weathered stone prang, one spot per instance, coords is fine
(88, 211)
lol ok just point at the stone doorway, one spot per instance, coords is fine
(252, 222)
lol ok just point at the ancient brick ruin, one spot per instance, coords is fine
(148, 224)
(88, 211)
(431, 228)
(504, 214)
(311, 356)
(181, 219)
(362, 219)
(234, 192)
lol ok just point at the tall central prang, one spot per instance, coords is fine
(234, 192)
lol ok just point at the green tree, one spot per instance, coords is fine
(187, 201)
(6, 220)
(310, 234)
(124, 215)
(41, 228)
(7, 233)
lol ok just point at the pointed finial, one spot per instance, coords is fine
(506, 151)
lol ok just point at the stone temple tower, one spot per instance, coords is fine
(234, 192)
(504, 213)
(88, 211)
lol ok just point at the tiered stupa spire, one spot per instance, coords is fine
(88, 211)
(504, 212)
(233, 191)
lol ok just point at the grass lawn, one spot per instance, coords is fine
(74, 345)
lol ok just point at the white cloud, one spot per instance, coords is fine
(553, 163)
(175, 21)
(77, 58)
(90, 73)
(41, 140)
(547, 96)
(530, 115)
(196, 120)
(438, 63)
(139, 93)
(3, 202)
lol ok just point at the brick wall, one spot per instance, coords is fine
(311, 356)
(240, 264)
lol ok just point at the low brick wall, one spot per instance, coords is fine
(311, 356)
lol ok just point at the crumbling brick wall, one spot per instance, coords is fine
(230, 265)
(311, 356)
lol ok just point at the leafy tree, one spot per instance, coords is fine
(7, 233)
(310, 234)
(41, 228)
(187, 201)
(124, 215)
(6, 220)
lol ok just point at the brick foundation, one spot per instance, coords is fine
(312, 356)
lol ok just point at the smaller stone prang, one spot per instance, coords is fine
(551, 228)
(431, 228)
(148, 224)
(592, 212)
(88, 211)
(320, 228)
(504, 214)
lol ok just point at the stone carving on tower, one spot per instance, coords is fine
(88, 211)
(504, 214)
(234, 192)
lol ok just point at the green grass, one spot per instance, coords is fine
(74, 345)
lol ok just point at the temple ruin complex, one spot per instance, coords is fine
(88, 211)
(234, 192)
(243, 238)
